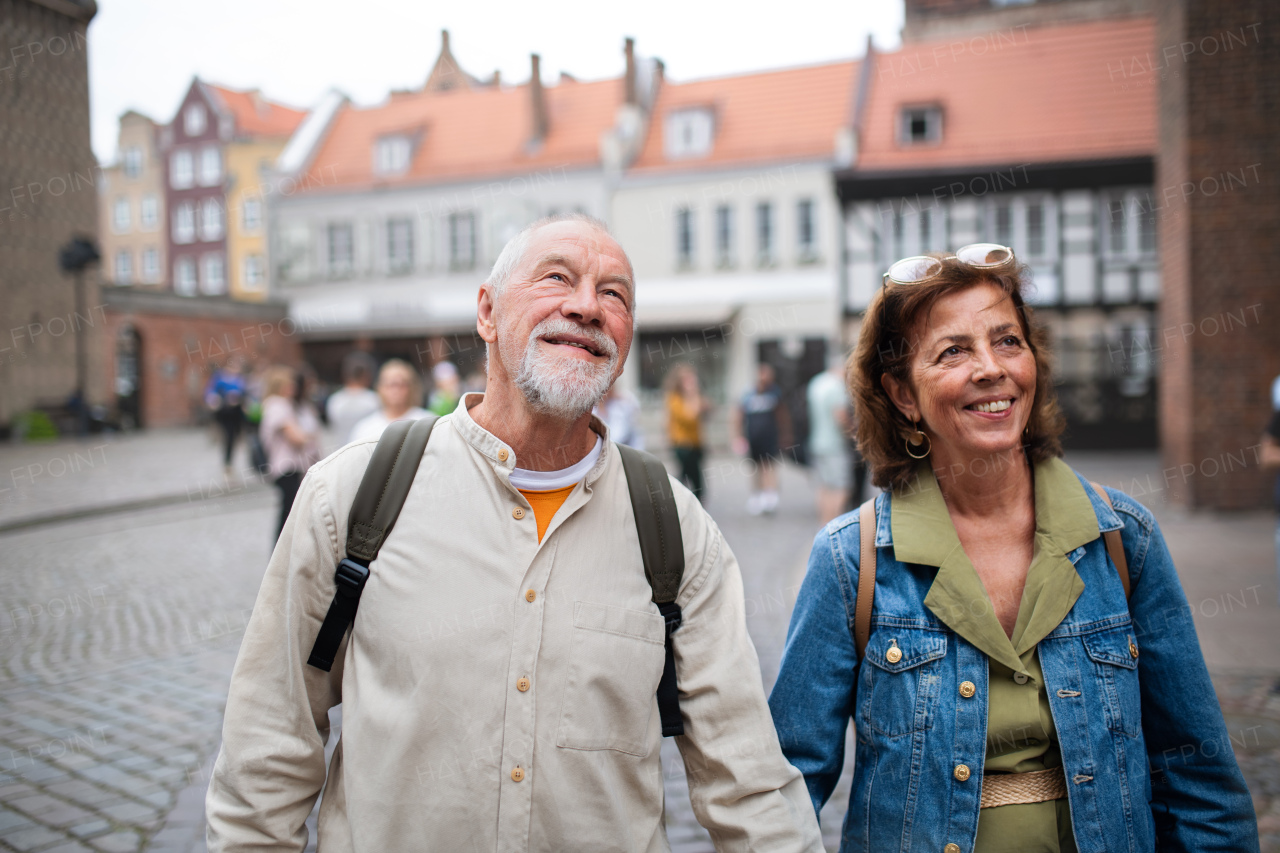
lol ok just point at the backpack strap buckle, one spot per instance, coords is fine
(350, 578)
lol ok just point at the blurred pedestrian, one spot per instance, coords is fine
(620, 411)
(686, 407)
(224, 395)
(355, 400)
(829, 439)
(758, 425)
(447, 391)
(399, 392)
(290, 434)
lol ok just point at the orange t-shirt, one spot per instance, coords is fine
(545, 505)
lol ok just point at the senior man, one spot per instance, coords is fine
(498, 683)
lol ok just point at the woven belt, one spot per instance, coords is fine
(1007, 789)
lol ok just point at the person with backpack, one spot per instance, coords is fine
(512, 611)
(1011, 641)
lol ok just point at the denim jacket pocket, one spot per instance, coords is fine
(902, 682)
(1114, 652)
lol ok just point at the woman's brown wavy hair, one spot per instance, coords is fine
(884, 346)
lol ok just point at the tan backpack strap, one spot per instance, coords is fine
(866, 577)
(1115, 547)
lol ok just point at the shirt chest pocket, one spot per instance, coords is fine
(901, 679)
(615, 664)
(1114, 653)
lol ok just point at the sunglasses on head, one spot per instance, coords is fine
(921, 268)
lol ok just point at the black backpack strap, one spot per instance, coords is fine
(374, 511)
(662, 548)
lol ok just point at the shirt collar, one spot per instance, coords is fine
(491, 446)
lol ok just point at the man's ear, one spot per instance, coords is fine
(486, 324)
(900, 395)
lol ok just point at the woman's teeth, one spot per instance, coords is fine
(997, 406)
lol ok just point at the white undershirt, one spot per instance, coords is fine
(543, 481)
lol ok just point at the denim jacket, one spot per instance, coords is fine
(1146, 754)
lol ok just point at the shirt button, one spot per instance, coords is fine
(517, 775)
(951, 848)
(962, 772)
(522, 685)
(1019, 678)
(517, 513)
(530, 595)
(967, 689)
(502, 455)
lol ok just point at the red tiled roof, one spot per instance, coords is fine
(465, 133)
(255, 115)
(1044, 94)
(792, 113)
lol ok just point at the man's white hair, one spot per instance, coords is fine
(513, 253)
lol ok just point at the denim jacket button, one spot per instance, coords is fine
(1133, 649)
(967, 689)
(962, 773)
(951, 848)
(893, 654)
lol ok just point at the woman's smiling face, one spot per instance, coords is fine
(972, 375)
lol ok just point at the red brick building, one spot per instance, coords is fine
(1218, 70)
(161, 348)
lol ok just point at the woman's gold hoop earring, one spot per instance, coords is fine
(920, 439)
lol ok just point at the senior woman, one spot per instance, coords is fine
(1010, 696)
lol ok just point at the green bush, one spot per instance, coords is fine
(34, 426)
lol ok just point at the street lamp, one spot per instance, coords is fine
(77, 254)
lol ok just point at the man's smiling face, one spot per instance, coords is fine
(565, 318)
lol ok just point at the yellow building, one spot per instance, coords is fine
(247, 166)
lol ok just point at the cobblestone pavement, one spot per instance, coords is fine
(118, 634)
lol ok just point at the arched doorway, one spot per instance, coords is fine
(129, 377)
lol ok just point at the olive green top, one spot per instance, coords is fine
(1020, 731)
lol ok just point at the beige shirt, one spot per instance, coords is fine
(498, 693)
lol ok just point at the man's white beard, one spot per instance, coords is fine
(567, 387)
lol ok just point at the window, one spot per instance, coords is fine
(124, 267)
(806, 234)
(120, 215)
(400, 244)
(254, 272)
(341, 248)
(181, 170)
(688, 133)
(1035, 229)
(251, 214)
(1004, 224)
(724, 235)
(1116, 226)
(149, 212)
(184, 276)
(684, 237)
(462, 241)
(213, 278)
(899, 235)
(391, 155)
(132, 162)
(194, 120)
(210, 166)
(1146, 228)
(150, 264)
(926, 229)
(211, 223)
(764, 232)
(184, 223)
(920, 125)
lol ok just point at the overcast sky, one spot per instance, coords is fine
(143, 53)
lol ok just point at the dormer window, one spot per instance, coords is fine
(391, 155)
(193, 120)
(689, 133)
(920, 125)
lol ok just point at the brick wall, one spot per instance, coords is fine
(1216, 174)
(182, 339)
(47, 195)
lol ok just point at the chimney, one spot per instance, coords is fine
(539, 102)
(630, 51)
(444, 41)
